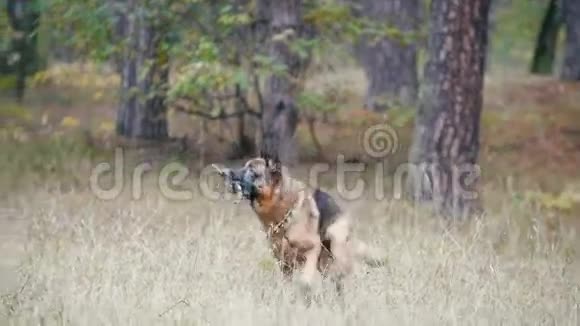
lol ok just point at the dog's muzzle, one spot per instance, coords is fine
(241, 181)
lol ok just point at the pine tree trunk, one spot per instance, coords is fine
(545, 52)
(145, 76)
(281, 114)
(571, 13)
(446, 143)
(390, 63)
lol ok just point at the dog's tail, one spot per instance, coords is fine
(372, 256)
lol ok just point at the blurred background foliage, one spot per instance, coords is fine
(71, 31)
(218, 55)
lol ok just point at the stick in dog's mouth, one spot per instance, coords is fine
(232, 186)
(218, 169)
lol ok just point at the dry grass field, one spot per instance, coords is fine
(157, 262)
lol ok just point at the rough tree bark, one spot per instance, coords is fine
(571, 67)
(280, 116)
(545, 52)
(390, 63)
(145, 75)
(446, 142)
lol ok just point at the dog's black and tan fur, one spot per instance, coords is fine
(306, 227)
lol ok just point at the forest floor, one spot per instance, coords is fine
(68, 257)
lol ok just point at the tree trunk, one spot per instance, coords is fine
(145, 76)
(281, 115)
(243, 41)
(244, 144)
(119, 22)
(446, 143)
(390, 63)
(24, 19)
(571, 13)
(545, 52)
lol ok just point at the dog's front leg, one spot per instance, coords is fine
(310, 269)
(303, 235)
(308, 243)
(286, 258)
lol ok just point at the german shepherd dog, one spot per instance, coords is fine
(306, 228)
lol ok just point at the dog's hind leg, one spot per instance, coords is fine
(338, 233)
(310, 269)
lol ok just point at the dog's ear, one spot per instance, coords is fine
(275, 169)
(265, 156)
(276, 164)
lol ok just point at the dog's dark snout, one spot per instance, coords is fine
(236, 176)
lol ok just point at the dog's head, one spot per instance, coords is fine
(258, 176)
